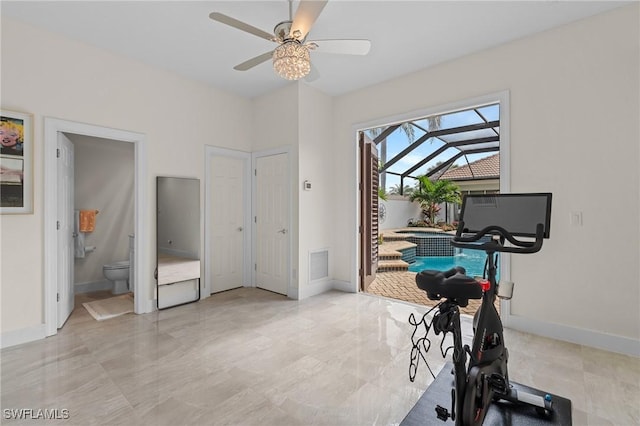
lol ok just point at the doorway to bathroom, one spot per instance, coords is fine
(96, 185)
(103, 183)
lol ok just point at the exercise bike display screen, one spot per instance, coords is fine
(518, 213)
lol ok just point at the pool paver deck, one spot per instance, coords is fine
(402, 286)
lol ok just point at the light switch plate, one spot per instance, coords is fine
(576, 219)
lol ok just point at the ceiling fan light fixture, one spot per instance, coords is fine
(291, 60)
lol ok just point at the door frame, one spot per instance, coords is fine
(142, 289)
(501, 97)
(247, 277)
(292, 291)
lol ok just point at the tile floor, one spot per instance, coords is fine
(250, 357)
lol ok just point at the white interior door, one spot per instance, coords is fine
(227, 222)
(272, 222)
(65, 228)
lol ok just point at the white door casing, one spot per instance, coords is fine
(227, 223)
(272, 219)
(65, 227)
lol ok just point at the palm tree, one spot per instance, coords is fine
(429, 194)
(395, 190)
(382, 193)
(434, 123)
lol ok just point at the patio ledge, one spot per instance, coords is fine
(389, 248)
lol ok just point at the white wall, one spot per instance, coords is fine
(315, 163)
(50, 75)
(298, 117)
(574, 98)
(399, 211)
(104, 181)
(275, 119)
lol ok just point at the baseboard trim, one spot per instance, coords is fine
(90, 286)
(24, 335)
(323, 286)
(345, 286)
(580, 336)
(315, 288)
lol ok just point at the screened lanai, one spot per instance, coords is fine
(432, 145)
(460, 141)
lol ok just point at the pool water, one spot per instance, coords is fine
(471, 260)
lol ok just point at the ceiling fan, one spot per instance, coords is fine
(291, 59)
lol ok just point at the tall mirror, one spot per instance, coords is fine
(178, 241)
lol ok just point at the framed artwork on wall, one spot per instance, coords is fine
(16, 162)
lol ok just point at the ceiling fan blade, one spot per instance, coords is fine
(254, 61)
(240, 25)
(307, 13)
(345, 47)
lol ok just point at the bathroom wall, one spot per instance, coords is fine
(104, 181)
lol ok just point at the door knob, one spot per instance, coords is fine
(283, 231)
(240, 228)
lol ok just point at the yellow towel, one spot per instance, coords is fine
(88, 220)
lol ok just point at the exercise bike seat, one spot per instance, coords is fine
(452, 284)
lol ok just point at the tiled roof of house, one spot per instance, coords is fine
(485, 168)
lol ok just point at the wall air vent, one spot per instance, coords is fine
(318, 265)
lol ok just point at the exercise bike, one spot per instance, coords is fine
(494, 224)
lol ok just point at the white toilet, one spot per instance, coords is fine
(118, 272)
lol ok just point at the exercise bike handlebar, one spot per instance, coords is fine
(519, 246)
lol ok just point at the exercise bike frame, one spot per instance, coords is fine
(487, 355)
(484, 377)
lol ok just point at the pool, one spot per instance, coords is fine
(471, 260)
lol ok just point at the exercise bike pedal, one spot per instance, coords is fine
(498, 383)
(442, 413)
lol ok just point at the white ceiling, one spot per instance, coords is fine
(406, 35)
